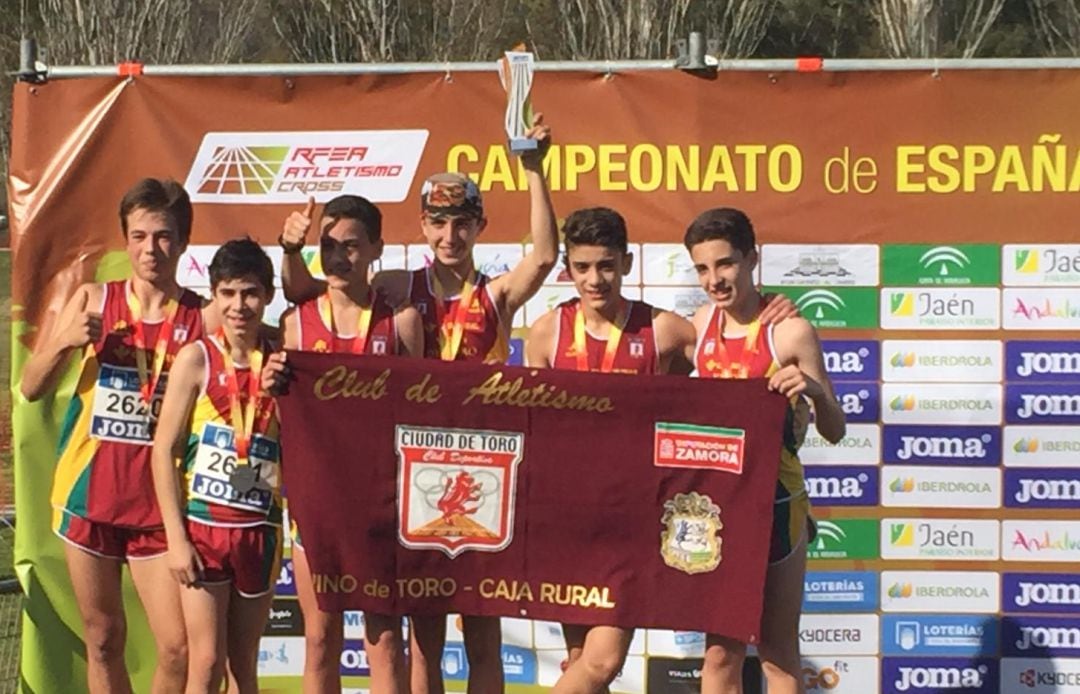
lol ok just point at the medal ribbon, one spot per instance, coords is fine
(326, 310)
(449, 345)
(242, 417)
(581, 347)
(721, 364)
(148, 381)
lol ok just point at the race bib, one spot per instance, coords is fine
(215, 462)
(119, 412)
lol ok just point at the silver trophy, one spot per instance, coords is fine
(516, 75)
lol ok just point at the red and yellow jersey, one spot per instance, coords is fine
(318, 335)
(485, 338)
(754, 356)
(210, 458)
(635, 353)
(103, 473)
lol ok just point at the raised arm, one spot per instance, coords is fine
(78, 325)
(296, 279)
(170, 440)
(524, 280)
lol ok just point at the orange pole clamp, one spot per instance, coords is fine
(809, 64)
(130, 68)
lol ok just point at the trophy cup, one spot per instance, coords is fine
(516, 75)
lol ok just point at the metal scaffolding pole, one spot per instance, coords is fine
(596, 66)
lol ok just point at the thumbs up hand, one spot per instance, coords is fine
(294, 233)
(87, 325)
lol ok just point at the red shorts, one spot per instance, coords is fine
(110, 541)
(248, 557)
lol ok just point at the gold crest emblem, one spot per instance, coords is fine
(690, 540)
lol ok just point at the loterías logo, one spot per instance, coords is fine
(287, 167)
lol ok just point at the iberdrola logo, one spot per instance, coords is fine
(902, 485)
(1026, 260)
(900, 590)
(902, 403)
(1026, 446)
(902, 304)
(901, 360)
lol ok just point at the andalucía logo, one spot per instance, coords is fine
(1026, 637)
(1040, 593)
(930, 445)
(457, 488)
(287, 167)
(1042, 360)
(852, 360)
(837, 485)
(939, 675)
(1042, 488)
(1042, 403)
(840, 591)
(925, 264)
(1040, 309)
(1040, 540)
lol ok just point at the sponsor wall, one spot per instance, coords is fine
(934, 257)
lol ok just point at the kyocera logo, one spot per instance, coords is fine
(943, 447)
(938, 678)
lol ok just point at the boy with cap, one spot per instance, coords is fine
(467, 317)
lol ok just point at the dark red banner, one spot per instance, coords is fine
(425, 488)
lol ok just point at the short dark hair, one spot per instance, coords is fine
(155, 195)
(724, 223)
(241, 258)
(595, 226)
(356, 208)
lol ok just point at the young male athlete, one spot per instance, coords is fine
(224, 526)
(732, 342)
(127, 333)
(603, 331)
(467, 317)
(350, 317)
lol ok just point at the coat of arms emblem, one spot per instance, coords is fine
(690, 540)
(457, 488)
